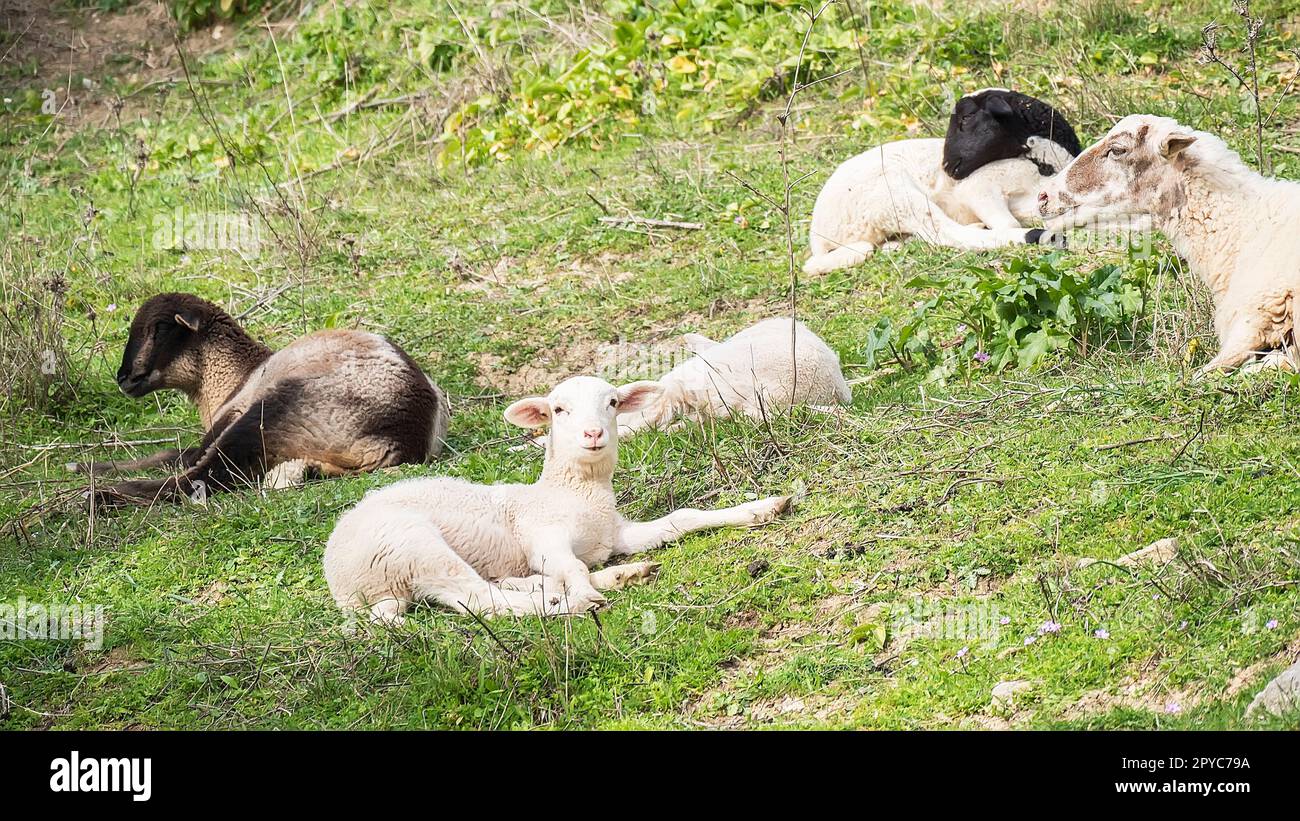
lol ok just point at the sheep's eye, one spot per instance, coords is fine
(613, 403)
(561, 410)
(1116, 152)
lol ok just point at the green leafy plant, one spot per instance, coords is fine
(191, 14)
(1014, 318)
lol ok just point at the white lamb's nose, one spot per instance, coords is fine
(594, 437)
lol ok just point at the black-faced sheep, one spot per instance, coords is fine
(335, 402)
(1238, 231)
(512, 548)
(998, 124)
(901, 189)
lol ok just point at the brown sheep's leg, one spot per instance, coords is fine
(234, 457)
(171, 458)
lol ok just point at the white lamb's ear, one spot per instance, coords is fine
(636, 395)
(1174, 144)
(697, 343)
(533, 412)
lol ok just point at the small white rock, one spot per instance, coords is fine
(1004, 694)
(1279, 696)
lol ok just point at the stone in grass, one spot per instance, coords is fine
(1004, 695)
(1158, 552)
(1281, 696)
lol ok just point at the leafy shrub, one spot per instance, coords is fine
(1012, 318)
(191, 14)
(710, 57)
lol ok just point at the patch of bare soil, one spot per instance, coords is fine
(602, 271)
(777, 644)
(1145, 692)
(70, 52)
(1248, 677)
(119, 659)
(542, 372)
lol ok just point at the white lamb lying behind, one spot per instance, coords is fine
(751, 373)
(899, 189)
(519, 549)
(1238, 231)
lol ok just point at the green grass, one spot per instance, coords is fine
(973, 496)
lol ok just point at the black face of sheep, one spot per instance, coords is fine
(163, 331)
(996, 124)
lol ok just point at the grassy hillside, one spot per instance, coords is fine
(447, 174)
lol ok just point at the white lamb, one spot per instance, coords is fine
(518, 549)
(900, 189)
(1239, 231)
(751, 373)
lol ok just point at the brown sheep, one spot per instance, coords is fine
(334, 402)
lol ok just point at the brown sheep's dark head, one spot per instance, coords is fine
(162, 350)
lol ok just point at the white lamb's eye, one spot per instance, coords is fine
(560, 410)
(613, 403)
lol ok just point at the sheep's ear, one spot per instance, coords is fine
(533, 412)
(636, 395)
(998, 107)
(1175, 144)
(697, 343)
(187, 321)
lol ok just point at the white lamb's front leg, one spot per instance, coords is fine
(992, 209)
(552, 555)
(634, 537)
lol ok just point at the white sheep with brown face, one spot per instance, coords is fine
(514, 548)
(1238, 231)
(336, 402)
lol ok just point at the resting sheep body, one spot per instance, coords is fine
(976, 189)
(899, 190)
(336, 402)
(1238, 231)
(513, 548)
(750, 373)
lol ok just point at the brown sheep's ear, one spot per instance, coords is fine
(1175, 144)
(192, 324)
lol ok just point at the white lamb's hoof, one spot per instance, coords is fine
(1271, 361)
(624, 575)
(574, 603)
(765, 510)
(388, 613)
